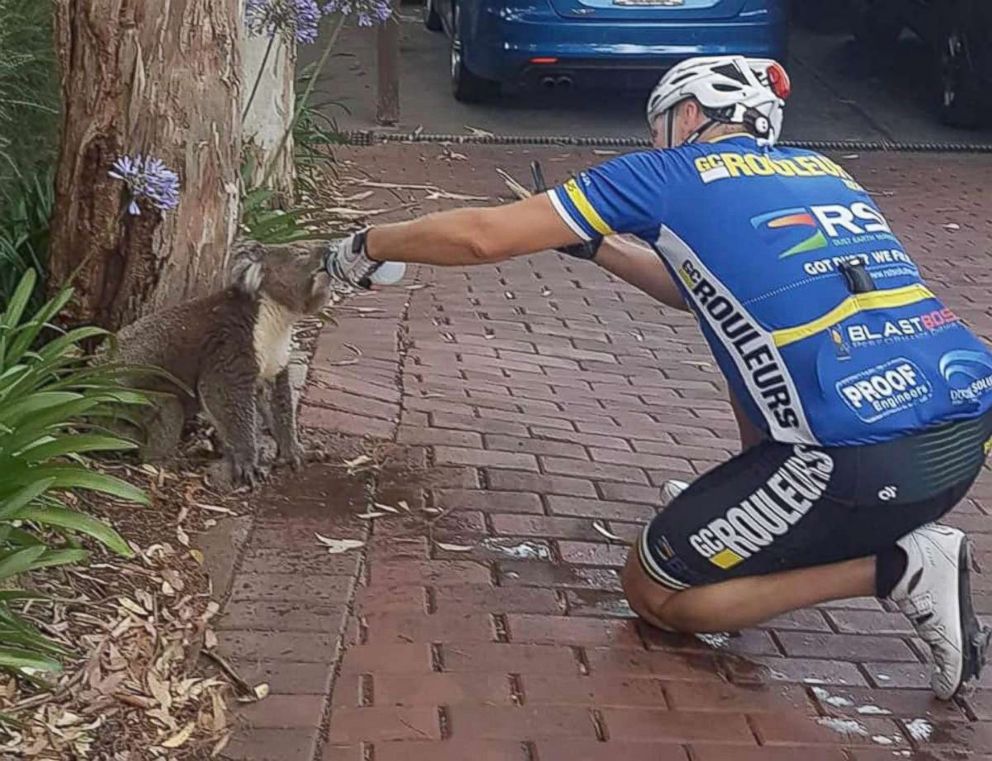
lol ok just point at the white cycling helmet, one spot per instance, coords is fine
(730, 89)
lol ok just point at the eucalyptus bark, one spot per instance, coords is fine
(270, 112)
(149, 78)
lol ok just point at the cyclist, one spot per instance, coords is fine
(865, 404)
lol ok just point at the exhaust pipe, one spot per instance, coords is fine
(548, 83)
(564, 82)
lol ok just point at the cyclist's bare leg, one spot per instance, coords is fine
(740, 603)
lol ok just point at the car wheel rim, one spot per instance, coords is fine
(456, 50)
(456, 61)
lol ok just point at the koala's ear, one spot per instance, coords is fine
(246, 265)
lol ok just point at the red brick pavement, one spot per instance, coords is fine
(512, 407)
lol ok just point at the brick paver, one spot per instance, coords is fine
(510, 408)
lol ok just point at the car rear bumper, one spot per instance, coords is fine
(609, 53)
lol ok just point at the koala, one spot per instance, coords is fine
(231, 350)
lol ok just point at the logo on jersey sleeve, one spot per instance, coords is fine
(885, 389)
(968, 373)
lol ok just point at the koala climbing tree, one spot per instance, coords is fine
(142, 83)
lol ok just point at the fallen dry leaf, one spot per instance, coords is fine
(219, 716)
(159, 690)
(601, 529)
(455, 547)
(132, 606)
(362, 459)
(180, 737)
(336, 546)
(221, 744)
(478, 132)
(216, 508)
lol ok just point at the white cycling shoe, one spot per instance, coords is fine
(935, 594)
(671, 489)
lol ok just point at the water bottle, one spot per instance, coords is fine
(389, 273)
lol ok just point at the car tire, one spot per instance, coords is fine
(875, 24)
(960, 95)
(466, 86)
(816, 15)
(432, 19)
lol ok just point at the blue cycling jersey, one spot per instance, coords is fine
(769, 248)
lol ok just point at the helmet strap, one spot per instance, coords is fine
(670, 127)
(698, 132)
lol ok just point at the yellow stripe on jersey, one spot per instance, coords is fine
(894, 297)
(585, 208)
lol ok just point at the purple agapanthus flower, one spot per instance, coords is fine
(147, 178)
(368, 12)
(298, 19)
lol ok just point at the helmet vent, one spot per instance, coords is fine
(730, 72)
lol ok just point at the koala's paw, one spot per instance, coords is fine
(250, 475)
(293, 456)
(236, 474)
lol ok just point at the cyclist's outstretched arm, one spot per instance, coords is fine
(483, 235)
(640, 266)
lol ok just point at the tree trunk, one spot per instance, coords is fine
(149, 78)
(270, 112)
(388, 69)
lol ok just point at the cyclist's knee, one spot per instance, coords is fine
(645, 596)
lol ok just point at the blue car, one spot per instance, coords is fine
(616, 43)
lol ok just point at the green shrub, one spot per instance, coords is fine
(53, 404)
(29, 96)
(29, 111)
(25, 218)
(262, 222)
(313, 134)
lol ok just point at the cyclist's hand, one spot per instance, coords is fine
(585, 250)
(347, 262)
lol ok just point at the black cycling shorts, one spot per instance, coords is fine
(778, 507)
